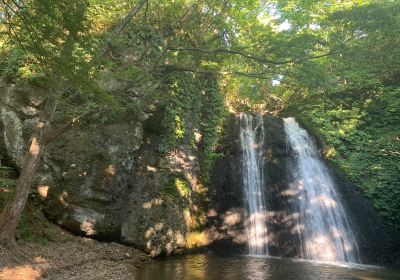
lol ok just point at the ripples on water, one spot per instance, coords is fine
(214, 267)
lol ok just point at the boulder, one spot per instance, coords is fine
(105, 180)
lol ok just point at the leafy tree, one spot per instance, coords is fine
(52, 35)
(52, 51)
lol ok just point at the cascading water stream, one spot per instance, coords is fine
(252, 141)
(324, 230)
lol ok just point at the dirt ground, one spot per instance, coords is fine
(70, 257)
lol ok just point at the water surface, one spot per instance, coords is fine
(215, 267)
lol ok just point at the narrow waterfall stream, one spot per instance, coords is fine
(324, 230)
(252, 142)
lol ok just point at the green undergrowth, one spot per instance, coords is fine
(179, 191)
(33, 226)
(194, 114)
(177, 188)
(362, 136)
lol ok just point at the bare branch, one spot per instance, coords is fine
(179, 68)
(75, 121)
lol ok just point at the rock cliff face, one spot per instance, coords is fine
(19, 109)
(376, 241)
(227, 184)
(109, 181)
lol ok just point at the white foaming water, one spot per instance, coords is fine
(252, 141)
(324, 230)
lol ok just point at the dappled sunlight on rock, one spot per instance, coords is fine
(151, 168)
(83, 174)
(187, 217)
(88, 220)
(197, 239)
(62, 197)
(159, 226)
(43, 190)
(40, 260)
(231, 218)
(147, 205)
(197, 136)
(88, 227)
(179, 238)
(159, 240)
(149, 232)
(212, 213)
(111, 170)
(171, 208)
(154, 201)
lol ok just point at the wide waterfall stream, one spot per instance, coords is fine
(321, 230)
(324, 230)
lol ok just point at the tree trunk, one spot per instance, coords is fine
(11, 214)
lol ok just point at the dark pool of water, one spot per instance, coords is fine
(215, 267)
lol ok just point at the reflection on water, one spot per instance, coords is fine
(214, 267)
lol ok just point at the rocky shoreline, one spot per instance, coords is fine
(71, 257)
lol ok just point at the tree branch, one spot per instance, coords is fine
(262, 60)
(179, 68)
(53, 135)
(121, 26)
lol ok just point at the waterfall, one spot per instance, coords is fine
(252, 141)
(325, 232)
